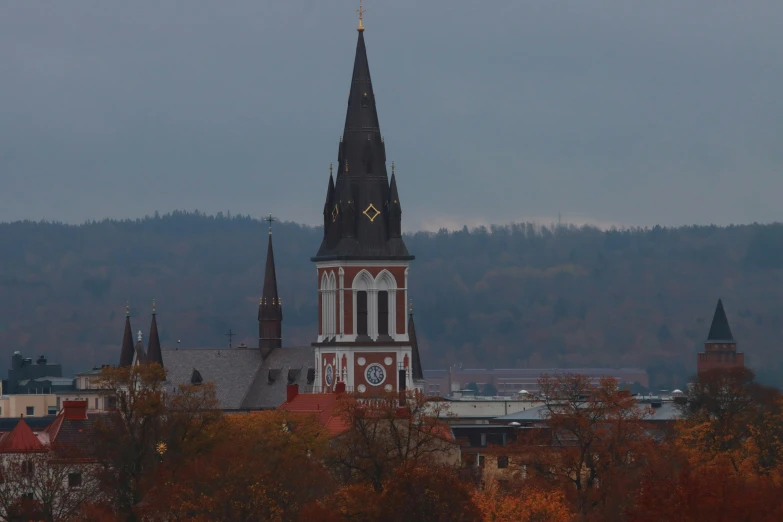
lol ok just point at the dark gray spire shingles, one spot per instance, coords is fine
(719, 329)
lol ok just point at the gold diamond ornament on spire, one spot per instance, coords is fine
(371, 212)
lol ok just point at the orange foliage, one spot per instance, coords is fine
(263, 466)
(529, 505)
(411, 493)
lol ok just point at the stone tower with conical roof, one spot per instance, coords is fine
(720, 348)
(363, 338)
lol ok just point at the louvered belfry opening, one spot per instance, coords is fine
(361, 313)
(383, 312)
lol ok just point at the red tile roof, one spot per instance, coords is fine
(20, 439)
(322, 405)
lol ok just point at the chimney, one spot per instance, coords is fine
(291, 391)
(339, 387)
(75, 410)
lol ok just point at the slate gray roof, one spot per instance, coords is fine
(241, 376)
(283, 366)
(667, 411)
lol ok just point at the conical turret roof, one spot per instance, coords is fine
(154, 353)
(418, 373)
(719, 329)
(127, 351)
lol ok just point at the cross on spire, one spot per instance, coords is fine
(230, 336)
(270, 219)
(361, 12)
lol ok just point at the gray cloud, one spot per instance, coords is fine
(609, 111)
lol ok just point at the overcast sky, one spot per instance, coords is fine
(606, 111)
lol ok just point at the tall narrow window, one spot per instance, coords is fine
(383, 312)
(361, 313)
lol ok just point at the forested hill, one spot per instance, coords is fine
(514, 296)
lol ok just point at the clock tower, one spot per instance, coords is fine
(362, 263)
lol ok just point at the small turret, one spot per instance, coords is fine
(154, 353)
(127, 351)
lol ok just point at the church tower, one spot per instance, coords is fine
(270, 311)
(362, 263)
(720, 348)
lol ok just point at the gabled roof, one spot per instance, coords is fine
(20, 439)
(323, 406)
(242, 375)
(719, 329)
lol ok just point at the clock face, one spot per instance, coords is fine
(329, 375)
(375, 374)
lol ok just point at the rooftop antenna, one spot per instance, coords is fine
(230, 336)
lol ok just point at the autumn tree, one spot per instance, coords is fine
(383, 435)
(593, 447)
(45, 486)
(725, 463)
(729, 416)
(147, 426)
(261, 466)
(528, 504)
(412, 492)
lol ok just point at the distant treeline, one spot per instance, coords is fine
(504, 296)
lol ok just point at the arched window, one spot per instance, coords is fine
(361, 312)
(383, 312)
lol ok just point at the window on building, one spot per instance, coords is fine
(51, 410)
(383, 312)
(112, 403)
(96, 403)
(30, 411)
(361, 313)
(27, 496)
(74, 480)
(483, 440)
(481, 461)
(502, 462)
(28, 467)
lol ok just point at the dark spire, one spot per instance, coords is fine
(418, 374)
(395, 209)
(141, 356)
(154, 353)
(270, 310)
(126, 353)
(720, 330)
(362, 179)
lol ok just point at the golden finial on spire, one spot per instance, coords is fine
(153, 307)
(127, 309)
(392, 168)
(361, 12)
(410, 306)
(330, 168)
